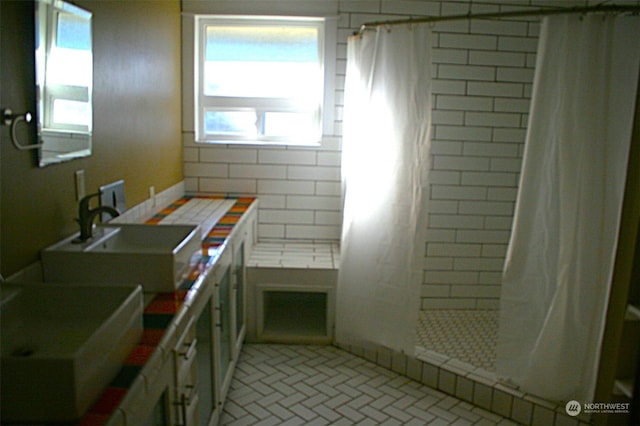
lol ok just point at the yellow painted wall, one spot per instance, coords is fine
(136, 120)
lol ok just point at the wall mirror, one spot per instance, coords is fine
(64, 80)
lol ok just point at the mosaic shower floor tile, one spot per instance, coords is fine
(468, 336)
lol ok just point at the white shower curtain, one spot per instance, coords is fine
(560, 259)
(384, 161)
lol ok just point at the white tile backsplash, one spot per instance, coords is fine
(234, 186)
(148, 208)
(257, 171)
(216, 154)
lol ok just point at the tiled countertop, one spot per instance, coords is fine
(218, 216)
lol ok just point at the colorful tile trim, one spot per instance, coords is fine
(157, 218)
(221, 231)
(159, 313)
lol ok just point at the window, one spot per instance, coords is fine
(259, 79)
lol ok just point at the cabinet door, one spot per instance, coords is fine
(207, 395)
(159, 414)
(238, 297)
(224, 325)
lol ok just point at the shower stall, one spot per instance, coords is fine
(484, 103)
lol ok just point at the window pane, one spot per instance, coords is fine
(74, 32)
(70, 67)
(71, 112)
(261, 61)
(287, 124)
(70, 62)
(240, 123)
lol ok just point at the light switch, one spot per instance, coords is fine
(80, 187)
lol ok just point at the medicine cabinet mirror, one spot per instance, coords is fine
(64, 80)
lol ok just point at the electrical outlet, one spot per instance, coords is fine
(80, 187)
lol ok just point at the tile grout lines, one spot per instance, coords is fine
(465, 335)
(323, 385)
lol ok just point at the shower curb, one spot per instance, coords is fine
(470, 384)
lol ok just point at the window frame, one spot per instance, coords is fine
(260, 105)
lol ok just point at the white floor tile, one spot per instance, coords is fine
(332, 387)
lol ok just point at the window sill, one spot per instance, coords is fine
(316, 144)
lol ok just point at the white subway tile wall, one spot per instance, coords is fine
(476, 94)
(483, 82)
(299, 187)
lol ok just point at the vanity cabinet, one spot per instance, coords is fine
(187, 378)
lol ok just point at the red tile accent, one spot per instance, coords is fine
(151, 337)
(163, 307)
(94, 419)
(176, 296)
(109, 401)
(140, 355)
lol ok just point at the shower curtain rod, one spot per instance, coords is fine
(540, 12)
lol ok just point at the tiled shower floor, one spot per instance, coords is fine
(468, 336)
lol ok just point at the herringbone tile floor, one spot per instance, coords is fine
(323, 385)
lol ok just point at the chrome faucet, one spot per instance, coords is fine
(87, 215)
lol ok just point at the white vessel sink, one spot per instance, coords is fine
(62, 346)
(155, 256)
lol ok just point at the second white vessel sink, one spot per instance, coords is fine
(155, 256)
(62, 346)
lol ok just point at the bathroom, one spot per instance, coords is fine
(143, 133)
